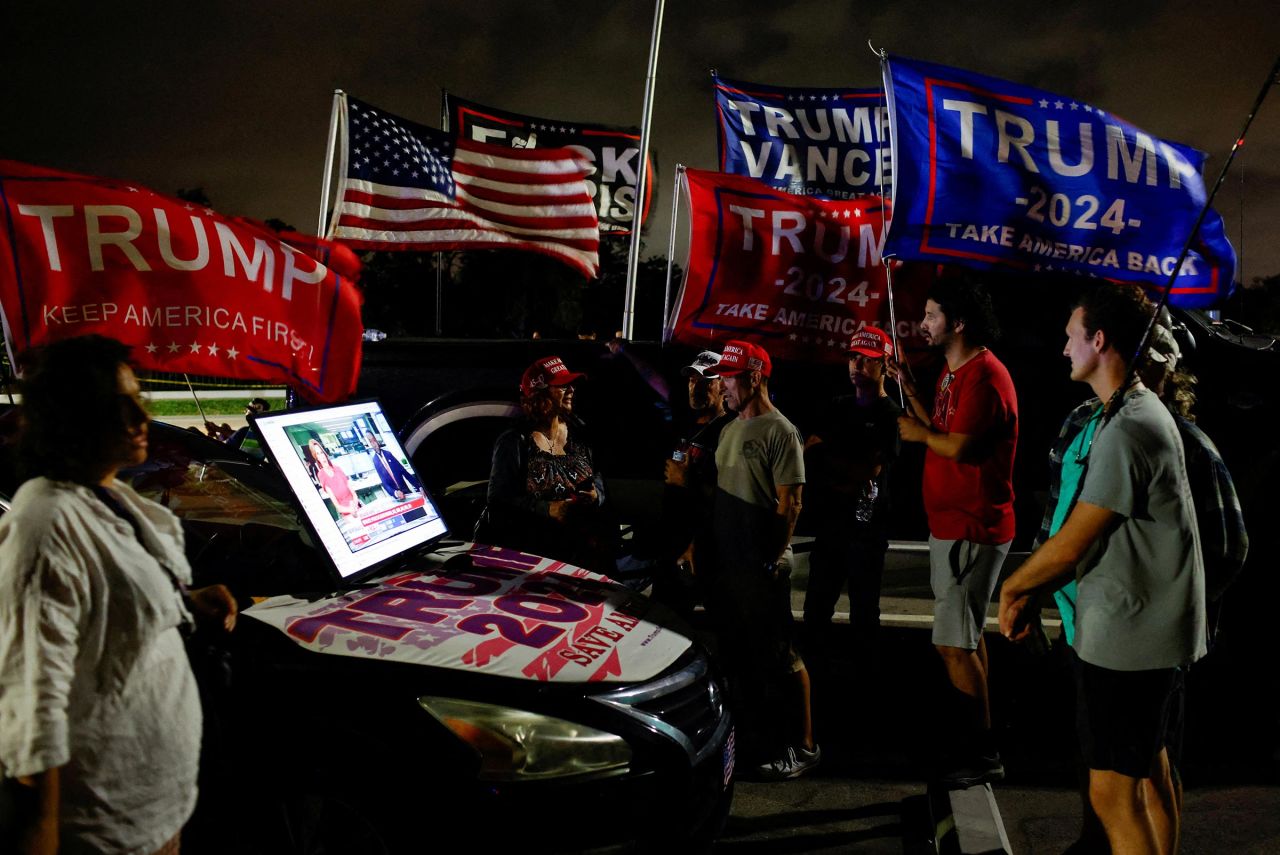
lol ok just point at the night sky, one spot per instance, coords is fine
(235, 96)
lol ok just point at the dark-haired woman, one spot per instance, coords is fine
(545, 496)
(100, 720)
(334, 483)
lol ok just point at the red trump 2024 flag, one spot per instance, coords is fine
(795, 274)
(189, 289)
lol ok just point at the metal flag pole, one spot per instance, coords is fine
(203, 417)
(444, 126)
(887, 260)
(1240, 238)
(1135, 360)
(338, 95)
(671, 247)
(633, 258)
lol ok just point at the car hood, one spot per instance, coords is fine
(493, 611)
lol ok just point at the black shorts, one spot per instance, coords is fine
(753, 615)
(1123, 717)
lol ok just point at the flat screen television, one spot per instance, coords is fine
(358, 491)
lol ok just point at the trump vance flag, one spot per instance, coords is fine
(189, 289)
(829, 143)
(407, 186)
(989, 172)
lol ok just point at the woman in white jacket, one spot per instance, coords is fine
(99, 715)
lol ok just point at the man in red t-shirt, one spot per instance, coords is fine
(970, 435)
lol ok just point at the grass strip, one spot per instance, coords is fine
(212, 407)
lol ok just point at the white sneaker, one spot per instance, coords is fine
(793, 763)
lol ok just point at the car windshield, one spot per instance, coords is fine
(206, 490)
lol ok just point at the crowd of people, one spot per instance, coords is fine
(1141, 534)
(1141, 511)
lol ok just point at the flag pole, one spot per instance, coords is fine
(203, 417)
(633, 258)
(671, 251)
(328, 162)
(444, 126)
(1113, 405)
(887, 260)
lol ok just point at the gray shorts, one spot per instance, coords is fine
(963, 575)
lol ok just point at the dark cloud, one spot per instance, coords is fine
(235, 96)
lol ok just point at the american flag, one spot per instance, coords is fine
(407, 186)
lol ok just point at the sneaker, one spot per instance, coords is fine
(981, 769)
(793, 763)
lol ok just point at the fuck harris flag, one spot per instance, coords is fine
(614, 154)
(995, 173)
(796, 274)
(407, 186)
(189, 289)
(829, 143)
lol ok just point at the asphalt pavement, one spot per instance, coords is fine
(878, 725)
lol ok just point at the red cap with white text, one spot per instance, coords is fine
(739, 356)
(548, 371)
(871, 341)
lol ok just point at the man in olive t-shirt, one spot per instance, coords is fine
(760, 476)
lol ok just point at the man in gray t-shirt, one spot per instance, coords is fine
(1131, 543)
(1141, 598)
(760, 477)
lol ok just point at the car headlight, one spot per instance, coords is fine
(516, 745)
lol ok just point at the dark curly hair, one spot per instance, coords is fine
(72, 418)
(1176, 387)
(1121, 311)
(961, 300)
(538, 406)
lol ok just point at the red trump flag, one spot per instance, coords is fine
(189, 289)
(797, 275)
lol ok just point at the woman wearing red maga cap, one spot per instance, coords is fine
(545, 496)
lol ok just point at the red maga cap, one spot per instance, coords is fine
(548, 371)
(871, 341)
(741, 356)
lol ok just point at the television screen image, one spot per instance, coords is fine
(353, 481)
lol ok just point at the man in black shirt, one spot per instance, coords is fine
(848, 459)
(691, 485)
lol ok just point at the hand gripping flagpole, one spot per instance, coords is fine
(667, 326)
(887, 260)
(1113, 405)
(642, 177)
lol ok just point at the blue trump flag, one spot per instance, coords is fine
(826, 143)
(992, 173)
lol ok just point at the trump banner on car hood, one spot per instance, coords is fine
(795, 274)
(510, 614)
(829, 143)
(189, 289)
(992, 173)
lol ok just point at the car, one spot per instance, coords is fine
(471, 390)
(576, 716)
